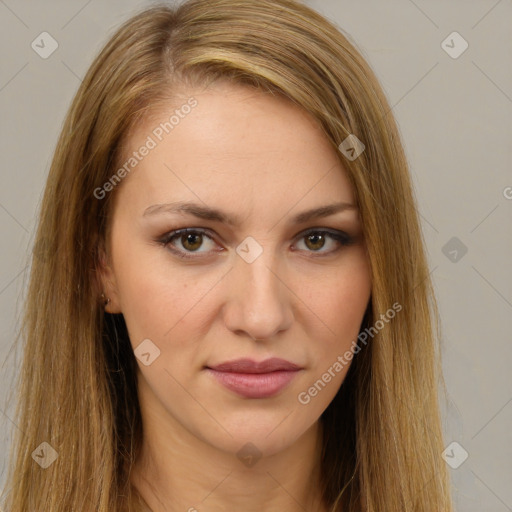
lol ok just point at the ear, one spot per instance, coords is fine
(107, 281)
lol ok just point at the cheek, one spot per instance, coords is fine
(340, 304)
(157, 298)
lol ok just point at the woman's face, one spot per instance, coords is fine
(257, 277)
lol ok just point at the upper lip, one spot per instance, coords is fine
(273, 364)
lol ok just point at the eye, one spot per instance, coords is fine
(192, 239)
(315, 240)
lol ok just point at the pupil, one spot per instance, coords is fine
(189, 240)
(318, 238)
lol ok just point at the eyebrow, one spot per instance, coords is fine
(213, 214)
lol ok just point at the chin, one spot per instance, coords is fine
(258, 433)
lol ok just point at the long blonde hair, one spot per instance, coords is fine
(382, 438)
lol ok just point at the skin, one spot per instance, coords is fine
(263, 159)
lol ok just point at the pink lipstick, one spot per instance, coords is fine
(251, 379)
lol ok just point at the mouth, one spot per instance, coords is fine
(251, 379)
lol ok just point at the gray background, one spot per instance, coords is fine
(455, 116)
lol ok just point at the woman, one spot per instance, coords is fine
(230, 306)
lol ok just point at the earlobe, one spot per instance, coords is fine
(106, 301)
(108, 297)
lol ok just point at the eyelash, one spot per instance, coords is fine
(339, 236)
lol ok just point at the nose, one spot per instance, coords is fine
(259, 304)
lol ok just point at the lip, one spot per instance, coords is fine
(273, 364)
(252, 379)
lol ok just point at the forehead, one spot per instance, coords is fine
(237, 146)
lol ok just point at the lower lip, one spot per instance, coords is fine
(255, 385)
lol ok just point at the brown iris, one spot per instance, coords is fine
(192, 241)
(315, 239)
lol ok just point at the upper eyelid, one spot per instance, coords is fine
(211, 234)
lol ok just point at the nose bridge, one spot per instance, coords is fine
(261, 280)
(260, 304)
